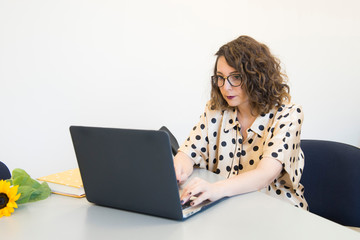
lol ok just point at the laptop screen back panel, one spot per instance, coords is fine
(128, 169)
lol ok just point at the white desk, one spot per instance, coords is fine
(248, 216)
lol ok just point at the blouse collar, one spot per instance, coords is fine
(259, 125)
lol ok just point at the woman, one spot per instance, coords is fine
(249, 131)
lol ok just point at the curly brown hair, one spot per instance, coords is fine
(261, 74)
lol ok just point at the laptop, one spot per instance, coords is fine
(132, 169)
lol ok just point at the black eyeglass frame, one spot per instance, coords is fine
(215, 80)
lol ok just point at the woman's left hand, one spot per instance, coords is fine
(202, 190)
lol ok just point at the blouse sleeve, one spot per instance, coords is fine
(284, 143)
(196, 146)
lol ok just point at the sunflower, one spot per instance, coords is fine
(8, 196)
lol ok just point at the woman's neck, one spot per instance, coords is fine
(246, 112)
(246, 117)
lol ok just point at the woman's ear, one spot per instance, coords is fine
(4, 172)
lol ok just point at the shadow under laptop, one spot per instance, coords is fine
(128, 224)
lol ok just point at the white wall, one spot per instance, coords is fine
(144, 64)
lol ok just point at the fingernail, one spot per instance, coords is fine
(189, 193)
(192, 203)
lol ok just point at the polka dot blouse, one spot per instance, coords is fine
(216, 144)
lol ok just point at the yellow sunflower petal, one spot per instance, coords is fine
(13, 191)
(2, 186)
(12, 195)
(5, 187)
(12, 205)
(10, 209)
(6, 212)
(17, 197)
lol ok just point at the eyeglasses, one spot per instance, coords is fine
(233, 79)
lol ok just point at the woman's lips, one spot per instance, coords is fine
(230, 97)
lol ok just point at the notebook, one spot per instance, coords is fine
(133, 170)
(67, 183)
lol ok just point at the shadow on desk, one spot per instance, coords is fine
(99, 219)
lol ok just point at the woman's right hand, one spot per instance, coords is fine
(184, 167)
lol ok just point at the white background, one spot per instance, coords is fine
(144, 64)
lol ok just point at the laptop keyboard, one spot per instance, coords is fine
(186, 205)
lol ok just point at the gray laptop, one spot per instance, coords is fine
(132, 170)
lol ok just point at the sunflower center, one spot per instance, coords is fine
(4, 199)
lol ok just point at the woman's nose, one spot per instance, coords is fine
(227, 85)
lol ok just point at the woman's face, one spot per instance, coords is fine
(234, 96)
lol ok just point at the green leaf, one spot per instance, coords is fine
(30, 189)
(40, 193)
(23, 180)
(26, 192)
(17, 172)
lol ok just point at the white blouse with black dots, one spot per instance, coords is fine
(215, 143)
